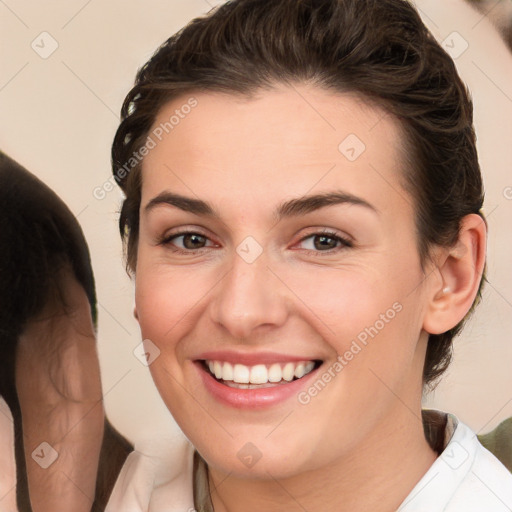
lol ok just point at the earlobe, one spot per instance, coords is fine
(461, 271)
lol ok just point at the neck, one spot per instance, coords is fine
(377, 476)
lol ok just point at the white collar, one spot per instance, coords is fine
(464, 478)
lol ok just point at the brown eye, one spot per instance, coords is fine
(193, 241)
(186, 241)
(324, 242)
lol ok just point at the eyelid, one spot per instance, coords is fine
(346, 240)
(183, 230)
(329, 232)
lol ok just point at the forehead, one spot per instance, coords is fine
(286, 141)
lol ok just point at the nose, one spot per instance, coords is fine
(249, 299)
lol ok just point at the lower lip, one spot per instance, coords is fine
(252, 398)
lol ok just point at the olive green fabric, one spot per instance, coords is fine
(202, 500)
(499, 442)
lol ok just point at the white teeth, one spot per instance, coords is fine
(241, 374)
(274, 373)
(288, 371)
(227, 371)
(259, 374)
(300, 370)
(217, 369)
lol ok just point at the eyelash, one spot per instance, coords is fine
(345, 242)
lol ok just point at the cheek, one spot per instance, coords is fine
(163, 301)
(169, 300)
(369, 315)
(344, 301)
(160, 301)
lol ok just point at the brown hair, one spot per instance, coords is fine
(379, 49)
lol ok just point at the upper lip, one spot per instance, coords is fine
(252, 358)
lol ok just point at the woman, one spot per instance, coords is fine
(303, 220)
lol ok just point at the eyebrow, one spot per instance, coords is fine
(291, 208)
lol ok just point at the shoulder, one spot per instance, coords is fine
(465, 477)
(154, 475)
(487, 484)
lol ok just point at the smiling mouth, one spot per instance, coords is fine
(258, 376)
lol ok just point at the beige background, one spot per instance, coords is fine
(58, 115)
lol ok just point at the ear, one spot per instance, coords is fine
(460, 269)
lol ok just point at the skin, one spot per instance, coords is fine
(59, 388)
(359, 444)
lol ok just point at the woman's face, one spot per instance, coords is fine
(302, 255)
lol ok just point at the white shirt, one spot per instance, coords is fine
(158, 476)
(464, 478)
